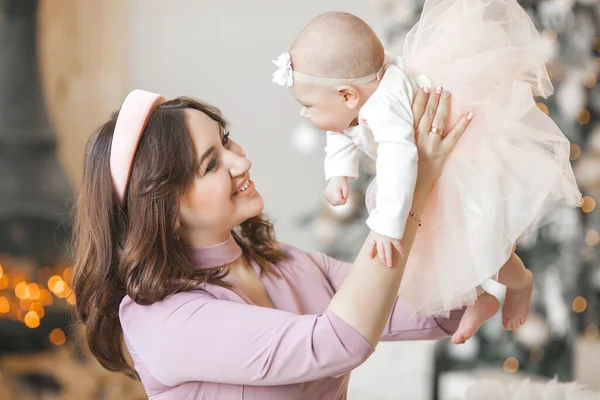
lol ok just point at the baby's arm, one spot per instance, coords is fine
(341, 163)
(390, 118)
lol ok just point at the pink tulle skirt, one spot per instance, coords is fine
(509, 170)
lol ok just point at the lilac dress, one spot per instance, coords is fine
(214, 343)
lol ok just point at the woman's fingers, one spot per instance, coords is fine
(457, 131)
(430, 111)
(419, 103)
(440, 119)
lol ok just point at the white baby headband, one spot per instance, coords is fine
(285, 75)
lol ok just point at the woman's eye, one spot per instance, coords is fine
(211, 165)
(225, 140)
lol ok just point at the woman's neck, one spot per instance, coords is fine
(224, 253)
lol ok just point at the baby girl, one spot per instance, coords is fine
(346, 85)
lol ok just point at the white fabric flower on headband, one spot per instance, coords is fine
(284, 76)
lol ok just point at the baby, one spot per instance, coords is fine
(363, 100)
(338, 71)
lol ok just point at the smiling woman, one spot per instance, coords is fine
(174, 257)
(224, 172)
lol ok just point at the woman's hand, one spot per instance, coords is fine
(369, 292)
(434, 141)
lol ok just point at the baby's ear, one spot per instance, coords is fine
(349, 95)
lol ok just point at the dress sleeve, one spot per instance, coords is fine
(193, 336)
(400, 326)
(341, 156)
(389, 116)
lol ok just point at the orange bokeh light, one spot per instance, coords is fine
(61, 289)
(4, 305)
(3, 282)
(34, 291)
(53, 281)
(45, 298)
(22, 290)
(25, 304)
(511, 365)
(32, 319)
(38, 308)
(57, 337)
(67, 274)
(71, 298)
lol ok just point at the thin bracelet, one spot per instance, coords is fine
(416, 217)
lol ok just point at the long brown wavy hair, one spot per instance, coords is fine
(133, 249)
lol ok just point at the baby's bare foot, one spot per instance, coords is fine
(516, 304)
(474, 316)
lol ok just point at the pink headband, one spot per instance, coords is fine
(133, 117)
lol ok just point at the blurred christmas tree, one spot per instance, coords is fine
(563, 255)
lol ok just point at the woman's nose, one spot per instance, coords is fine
(239, 165)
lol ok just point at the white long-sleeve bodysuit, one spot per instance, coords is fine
(385, 134)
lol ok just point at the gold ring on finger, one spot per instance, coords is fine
(436, 131)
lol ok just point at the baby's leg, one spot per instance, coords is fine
(519, 286)
(484, 308)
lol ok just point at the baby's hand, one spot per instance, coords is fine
(336, 191)
(382, 246)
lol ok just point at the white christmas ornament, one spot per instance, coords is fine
(570, 96)
(306, 137)
(466, 351)
(566, 225)
(556, 310)
(594, 140)
(550, 45)
(534, 332)
(556, 13)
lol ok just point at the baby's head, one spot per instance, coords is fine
(336, 61)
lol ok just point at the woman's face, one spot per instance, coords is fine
(222, 195)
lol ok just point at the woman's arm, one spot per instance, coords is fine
(192, 336)
(400, 324)
(367, 296)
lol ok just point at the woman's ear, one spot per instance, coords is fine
(349, 95)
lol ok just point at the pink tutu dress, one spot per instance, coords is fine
(508, 171)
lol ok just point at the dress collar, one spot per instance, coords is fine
(216, 255)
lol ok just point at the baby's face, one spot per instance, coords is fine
(323, 106)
